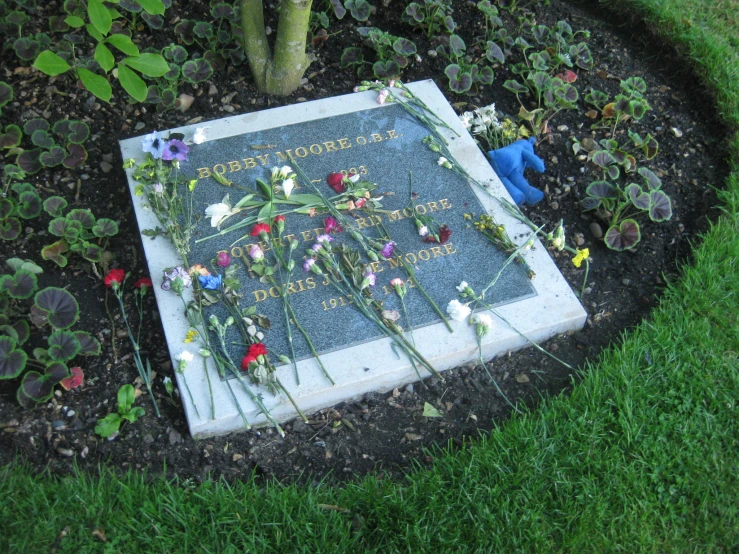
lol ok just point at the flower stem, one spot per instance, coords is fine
(290, 398)
(492, 379)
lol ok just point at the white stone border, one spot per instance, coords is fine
(554, 309)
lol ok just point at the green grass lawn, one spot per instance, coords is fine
(643, 456)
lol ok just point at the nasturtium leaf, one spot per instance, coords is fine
(76, 157)
(53, 157)
(638, 197)
(12, 359)
(601, 190)
(404, 47)
(78, 132)
(203, 29)
(650, 148)
(29, 205)
(568, 93)
(485, 76)
(63, 346)
(90, 346)
(494, 53)
(603, 158)
(613, 171)
(175, 53)
(184, 30)
(61, 308)
(130, 5)
(61, 127)
(10, 228)
(386, 69)
(54, 206)
(42, 139)
(72, 232)
(540, 80)
(132, 83)
(515, 87)
(351, 56)
(459, 81)
(456, 46)
(57, 226)
(197, 71)
(581, 56)
(635, 86)
(11, 137)
(653, 182)
(7, 207)
(26, 48)
(76, 378)
(55, 252)
(35, 124)
(413, 12)
(38, 388)
(105, 227)
(22, 330)
(20, 188)
(20, 286)
(660, 207)
(174, 72)
(222, 11)
(29, 160)
(449, 23)
(27, 265)
(84, 216)
(360, 9)
(624, 236)
(92, 252)
(6, 93)
(51, 64)
(538, 62)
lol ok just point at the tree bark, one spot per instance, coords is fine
(280, 74)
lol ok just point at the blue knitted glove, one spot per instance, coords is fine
(509, 163)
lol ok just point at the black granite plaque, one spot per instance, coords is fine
(384, 145)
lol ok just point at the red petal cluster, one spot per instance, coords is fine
(259, 228)
(444, 234)
(114, 276)
(143, 282)
(336, 182)
(254, 351)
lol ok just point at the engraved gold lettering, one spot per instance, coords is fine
(307, 235)
(274, 292)
(291, 288)
(326, 281)
(203, 172)
(445, 203)
(301, 152)
(450, 248)
(437, 251)
(394, 262)
(311, 283)
(361, 141)
(264, 159)
(376, 137)
(235, 166)
(260, 295)
(300, 285)
(316, 149)
(410, 257)
(394, 216)
(362, 223)
(407, 212)
(284, 157)
(420, 207)
(424, 255)
(432, 206)
(330, 146)
(391, 134)
(249, 163)
(344, 143)
(377, 267)
(221, 171)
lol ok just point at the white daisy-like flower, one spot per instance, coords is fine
(184, 358)
(458, 311)
(287, 187)
(466, 118)
(285, 170)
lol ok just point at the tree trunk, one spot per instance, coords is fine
(279, 75)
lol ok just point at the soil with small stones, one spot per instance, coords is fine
(385, 432)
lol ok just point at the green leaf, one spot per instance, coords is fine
(99, 16)
(124, 44)
(51, 64)
(132, 83)
(63, 346)
(94, 32)
(96, 84)
(108, 425)
(151, 65)
(12, 360)
(154, 7)
(74, 21)
(430, 411)
(104, 57)
(126, 398)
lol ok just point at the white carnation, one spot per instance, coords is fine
(458, 311)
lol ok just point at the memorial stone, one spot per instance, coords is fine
(382, 144)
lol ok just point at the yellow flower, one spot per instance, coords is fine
(583, 254)
(191, 335)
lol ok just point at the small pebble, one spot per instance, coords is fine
(626, 282)
(432, 53)
(554, 205)
(579, 239)
(71, 413)
(140, 125)
(409, 388)
(320, 444)
(84, 452)
(58, 424)
(562, 128)
(66, 452)
(596, 230)
(677, 132)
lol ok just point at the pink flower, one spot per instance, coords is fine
(114, 278)
(388, 249)
(256, 253)
(223, 258)
(332, 226)
(336, 182)
(361, 202)
(382, 97)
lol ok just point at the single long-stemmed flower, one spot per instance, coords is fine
(115, 279)
(183, 360)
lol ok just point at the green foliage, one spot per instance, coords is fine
(111, 423)
(79, 233)
(25, 203)
(106, 27)
(432, 16)
(463, 71)
(393, 54)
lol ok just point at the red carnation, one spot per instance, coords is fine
(259, 228)
(246, 361)
(336, 182)
(444, 234)
(143, 282)
(114, 278)
(280, 218)
(255, 350)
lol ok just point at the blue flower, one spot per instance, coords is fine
(210, 282)
(154, 144)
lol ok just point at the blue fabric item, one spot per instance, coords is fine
(509, 163)
(210, 282)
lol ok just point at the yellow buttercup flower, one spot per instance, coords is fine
(582, 255)
(191, 334)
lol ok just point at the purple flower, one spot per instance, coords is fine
(388, 249)
(369, 279)
(175, 150)
(309, 264)
(324, 238)
(210, 282)
(256, 253)
(178, 279)
(154, 144)
(317, 247)
(223, 258)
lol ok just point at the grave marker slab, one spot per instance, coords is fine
(382, 143)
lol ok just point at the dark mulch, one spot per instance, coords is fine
(383, 431)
